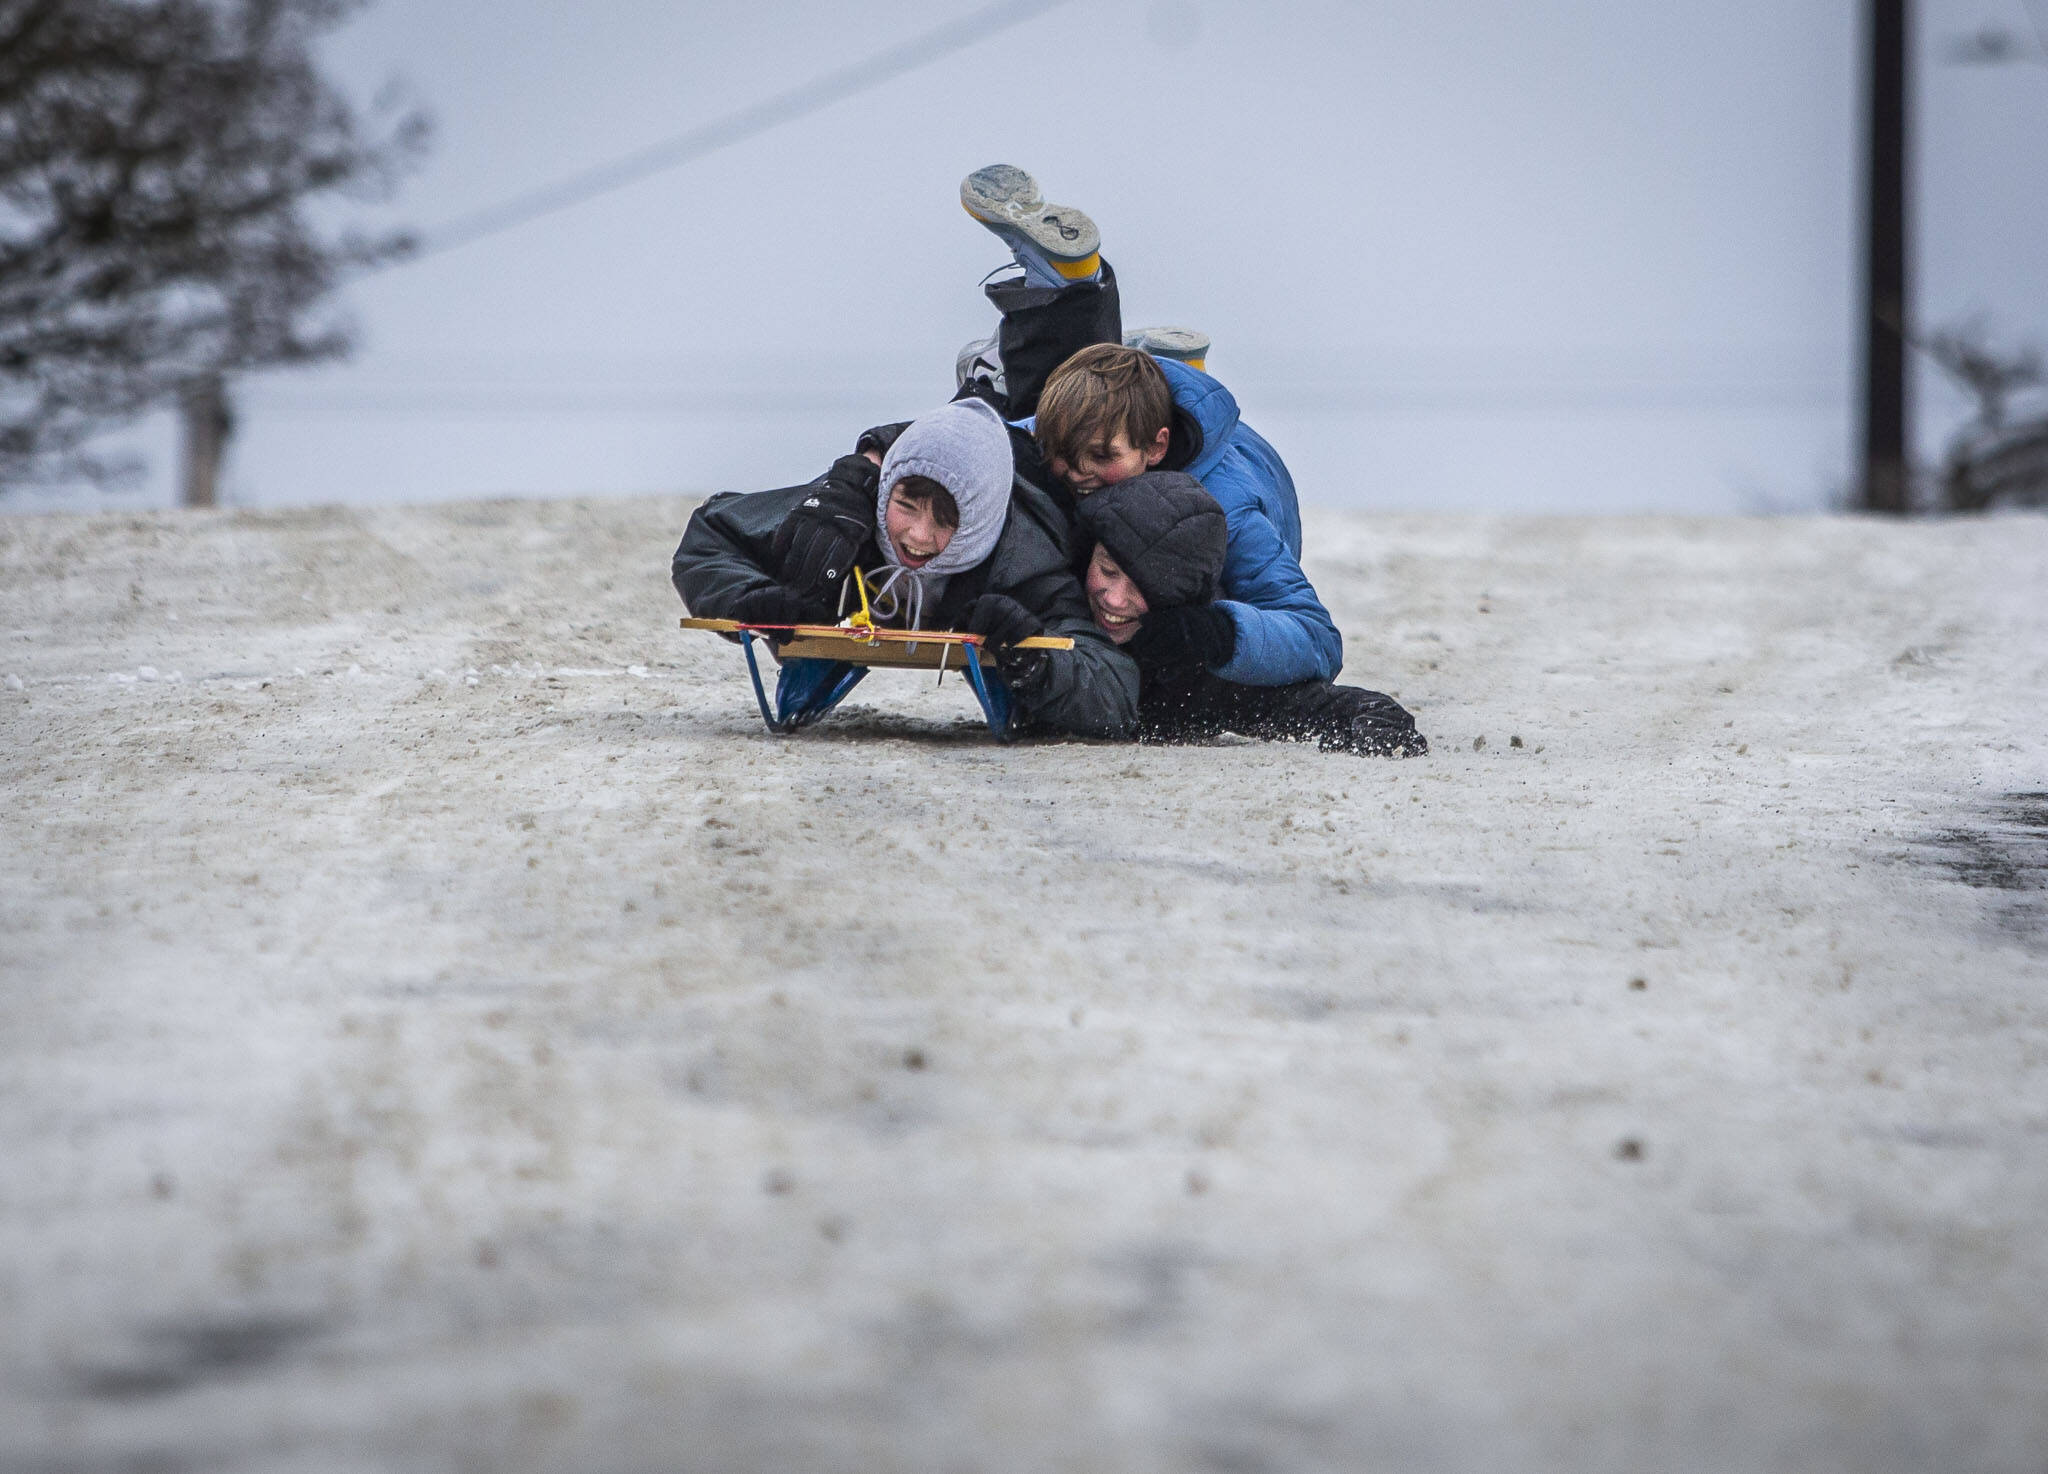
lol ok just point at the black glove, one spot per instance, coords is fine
(1193, 634)
(983, 388)
(775, 604)
(880, 438)
(851, 483)
(1001, 622)
(819, 541)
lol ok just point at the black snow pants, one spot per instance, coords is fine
(1045, 326)
(1190, 706)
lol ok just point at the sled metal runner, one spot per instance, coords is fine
(820, 663)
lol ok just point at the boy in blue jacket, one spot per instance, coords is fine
(1107, 412)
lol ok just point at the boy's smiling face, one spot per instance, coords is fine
(1116, 460)
(1112, 598)
(914, 528)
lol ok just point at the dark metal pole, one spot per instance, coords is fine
(208, 422)
(1887, 468)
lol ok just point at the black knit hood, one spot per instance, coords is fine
(1165, 532)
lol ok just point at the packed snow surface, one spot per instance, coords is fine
(441, 1030)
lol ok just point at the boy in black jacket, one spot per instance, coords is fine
(945, 538)
(1159, 547)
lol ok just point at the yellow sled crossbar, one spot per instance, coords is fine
(873, 646)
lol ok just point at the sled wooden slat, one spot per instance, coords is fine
(891, 649)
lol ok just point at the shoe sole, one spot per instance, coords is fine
(998, 191)
(1184, 345)
(1007, 200)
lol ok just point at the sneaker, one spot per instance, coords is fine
(981, 359)
(1055, 244)
(1184, 345)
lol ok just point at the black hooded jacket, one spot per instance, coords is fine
(1089, 691)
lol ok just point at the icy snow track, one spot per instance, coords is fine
(439, 1030)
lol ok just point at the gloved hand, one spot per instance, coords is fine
(774, 604)
(818, 542)
(1193, 634)
(880, 438)
(1001, 622)
(851, 482)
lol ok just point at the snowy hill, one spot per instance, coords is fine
(439, 1028)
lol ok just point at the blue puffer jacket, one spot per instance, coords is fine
(1284, 634)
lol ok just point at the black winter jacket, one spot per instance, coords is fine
(1089, 691)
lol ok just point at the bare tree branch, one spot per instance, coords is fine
(157, 159)
(1965, 352)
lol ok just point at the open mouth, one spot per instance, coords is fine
(1119, 627)
(914, 559)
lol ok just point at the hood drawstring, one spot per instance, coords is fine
(897, 594)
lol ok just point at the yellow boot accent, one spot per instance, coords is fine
(1087, 266)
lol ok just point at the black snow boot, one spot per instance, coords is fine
(1340, 718)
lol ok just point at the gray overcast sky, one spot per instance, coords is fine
(1458, 253)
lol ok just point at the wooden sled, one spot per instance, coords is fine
(822, 662)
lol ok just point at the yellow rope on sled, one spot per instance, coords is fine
(865, 619)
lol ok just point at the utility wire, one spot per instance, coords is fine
(2040, 30)
(749, 122)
